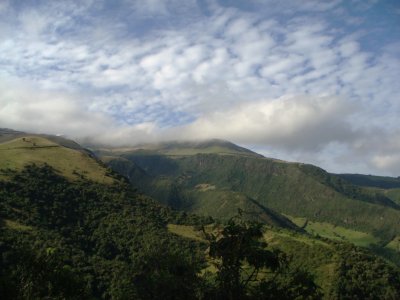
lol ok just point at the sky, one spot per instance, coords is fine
(301, 80)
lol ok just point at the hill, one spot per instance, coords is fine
(388, 186)
(78, 237)
(384, 182)
(68, 158)
(211, 183)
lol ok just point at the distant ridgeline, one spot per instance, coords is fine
(384, 182)
(70, 228)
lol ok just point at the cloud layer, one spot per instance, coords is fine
(305, 83)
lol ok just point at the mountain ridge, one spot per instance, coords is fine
(182, 147)
(295, 189)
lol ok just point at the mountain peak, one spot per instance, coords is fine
(189, 147)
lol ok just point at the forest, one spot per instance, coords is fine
(63, 239)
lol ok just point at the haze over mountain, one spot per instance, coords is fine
(310, 81)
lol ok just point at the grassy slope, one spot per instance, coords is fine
(394, 244)
(339, 233)
(393, 194)
(17, 153)
(293, 189)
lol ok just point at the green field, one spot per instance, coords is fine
(339, 233)
(394, 244)
(186, 231)
(22, 151)
(393, 194)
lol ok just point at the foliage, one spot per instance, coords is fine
(240, 256)
(253, 183)
(62, 239)
(384, 182)
(364, 276)
(109, 235)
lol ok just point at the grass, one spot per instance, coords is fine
(394, 244)
(186, 231)
(15, 225)
(270, 236)
(331, 231)
(22, 151)
(393, 194)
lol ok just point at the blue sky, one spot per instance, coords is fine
(310, 81)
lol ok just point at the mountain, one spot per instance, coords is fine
(211, 201)
(177, 148)
(217, 183)
(72, 229)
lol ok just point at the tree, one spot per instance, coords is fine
(246, 269)
(239, 255)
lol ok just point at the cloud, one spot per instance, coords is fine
(291, 122)
(24, 107)
(387, 162)
(274, 76)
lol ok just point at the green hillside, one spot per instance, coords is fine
(71, 235)
(212, 184)
(73, 163)
(388, 186)
(384, 182)
(393, 194)
(200, 198)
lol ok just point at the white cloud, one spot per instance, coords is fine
(206, 76)
(294, 122)
(387, 163)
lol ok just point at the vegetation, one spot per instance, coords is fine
(362, 276)
(213, 146)
(71, 163)
(384, 182)
(240, 257)
(339, 233)
(65, 233)
(104, 240)
(262, 187)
